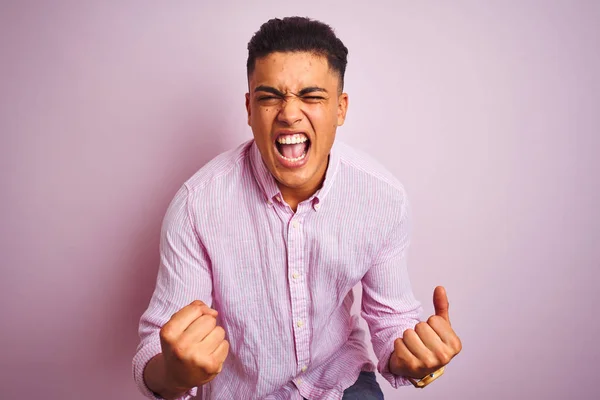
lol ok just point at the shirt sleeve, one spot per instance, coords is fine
(388, 303)
(183, 276)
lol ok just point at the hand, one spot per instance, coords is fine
(194, 347)
(428, 347)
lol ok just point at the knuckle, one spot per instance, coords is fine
(166, 333)
(199, 360)
(209, 323)
(413, 365)
(211, 365)
(420, 326)
(430, 362)
(410, 337)
(434, 319)
(209, 320)
(456, 345)
(443, 357)
(197, 303)
(219, 330)
(408, 333)
(198, 307)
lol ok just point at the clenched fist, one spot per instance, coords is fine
(194, 347)
(430, 346)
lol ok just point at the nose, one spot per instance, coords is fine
(290, 112)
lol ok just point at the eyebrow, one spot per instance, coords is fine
(302, 92)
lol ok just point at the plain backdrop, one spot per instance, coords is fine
(488, 112)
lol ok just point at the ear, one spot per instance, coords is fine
(342, 108)
(248, 109)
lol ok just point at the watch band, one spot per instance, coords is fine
(427, 379)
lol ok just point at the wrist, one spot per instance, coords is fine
(160, 381)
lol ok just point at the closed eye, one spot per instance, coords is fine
(268, 98)
(313, 98)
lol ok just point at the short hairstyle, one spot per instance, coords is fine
(298, 34)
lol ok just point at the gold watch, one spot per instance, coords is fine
(427, 379)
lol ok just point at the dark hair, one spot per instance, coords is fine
(298, 34)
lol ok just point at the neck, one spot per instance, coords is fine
(295, 196)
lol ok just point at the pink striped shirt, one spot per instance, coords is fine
(282, 281)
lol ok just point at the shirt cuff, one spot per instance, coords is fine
(140, 360)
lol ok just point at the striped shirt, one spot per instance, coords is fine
(282, 281)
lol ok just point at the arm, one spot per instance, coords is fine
(388, 304)
(405, 347)
(184, 276)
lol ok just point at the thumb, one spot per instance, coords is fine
(440, 303)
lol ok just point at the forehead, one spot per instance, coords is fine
(292, 71)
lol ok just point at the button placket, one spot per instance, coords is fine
(298, 290)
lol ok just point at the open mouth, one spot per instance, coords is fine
(292, 147)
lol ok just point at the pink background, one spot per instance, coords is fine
(489, 114)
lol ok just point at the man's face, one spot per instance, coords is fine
(294, 110)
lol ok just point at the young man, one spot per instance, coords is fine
(261, 248)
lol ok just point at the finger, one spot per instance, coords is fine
(210, 311)
(212, 340)
(221, 352)
(416, 346)
(428, 336)
(183, 318)
(198, 329)
(406, 360)
(442, 328)
(440, 303)
(205, 309)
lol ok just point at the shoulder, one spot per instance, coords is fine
(362, 170)
(212, 182)
(220, 170)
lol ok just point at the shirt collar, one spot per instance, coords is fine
(267, 182)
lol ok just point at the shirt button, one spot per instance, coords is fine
(300, 323)
(295, 275)
(295, 224)
(299, 381)
(304, 368)
(317, 206)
